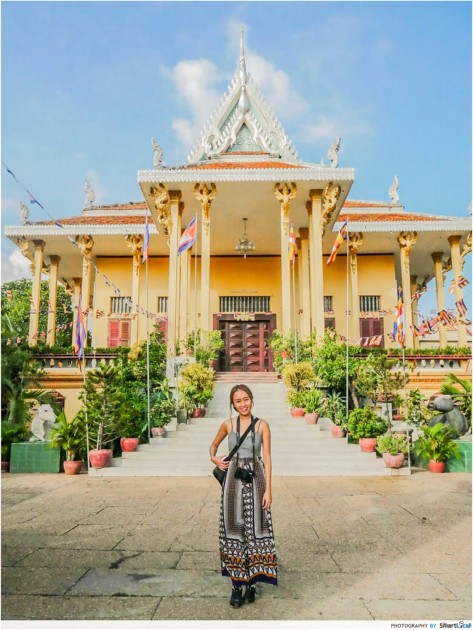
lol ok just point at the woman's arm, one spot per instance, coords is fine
(221, 434)
(266, 439)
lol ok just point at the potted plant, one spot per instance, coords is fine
(206, 345)
(163, 409)
(437, 445)
(196, 387)
(311, 402)
(333, 406)
(393, 449)
(132, 422)
(365, 426)
(298, 378)
(379, 378)
(295, 399)
(71, 438)
(103, 401)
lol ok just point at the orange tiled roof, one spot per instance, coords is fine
(132, 205)
(365, 204)
(392, 216)
(245, 153)
(239, 165)
(95, 220)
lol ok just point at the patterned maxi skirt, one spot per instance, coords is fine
(247, 551)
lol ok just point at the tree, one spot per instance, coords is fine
(16, 311)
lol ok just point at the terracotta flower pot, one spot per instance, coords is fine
(100, 458)
(311, 418)
(5, 466)
(297, 412)
(393, 461)
(129, 444)
(199, 412)
(72, 468)
(436, 467)
(367, 445)
(337, 431)
(158, 431)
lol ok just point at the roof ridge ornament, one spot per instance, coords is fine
(158, 154)
(242, 63)
(90, 194)
(332, 153)
(393, 194)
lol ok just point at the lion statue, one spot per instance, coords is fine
(43, 421)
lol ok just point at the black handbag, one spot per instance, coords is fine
(220, 474)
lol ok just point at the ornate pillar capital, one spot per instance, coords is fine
(175, 195)
(406, 241)
(454, 239)
(466, 249)
(437, 257)
(85, 243)
(160, 196)
(329, 203)
(39, 244)
(355, 241)
(24, 247)
(205, 195)
(315, 194)
(54, 260)
(285, 193)
(304, 233)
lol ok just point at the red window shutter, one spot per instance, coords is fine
(163, 327)
(329, 322)
(365, 327)
(113, 332)
(125, 333)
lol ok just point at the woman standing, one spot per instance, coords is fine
(247, 551)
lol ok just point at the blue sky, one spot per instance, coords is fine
(85, 85)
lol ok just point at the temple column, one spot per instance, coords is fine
(37, 268)
(457, 267)
(205, 195)
(135, 243)
(86, 244)
(437, 257)
(304, 281)
(284, 194)
(354, 243)
(75, 304)
(174, 236)
(406, 240)
(184, 303)
(52, 310)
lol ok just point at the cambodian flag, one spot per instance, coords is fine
(144, 256)
(80, 332)
(188, 236)
(398, 328)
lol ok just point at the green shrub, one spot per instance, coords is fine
(364, 423)
(392, 444)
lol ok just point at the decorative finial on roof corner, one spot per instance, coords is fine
(24, 213)
(158, 154)
(469, 209)
(90, 194)
(242, 61)
(393, 194)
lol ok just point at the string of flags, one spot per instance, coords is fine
(116, 290)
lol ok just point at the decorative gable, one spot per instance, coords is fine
(243, 121)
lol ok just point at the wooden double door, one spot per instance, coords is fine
(246, 346)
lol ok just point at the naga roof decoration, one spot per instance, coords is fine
(243, 121)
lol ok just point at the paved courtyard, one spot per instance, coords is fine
(147, 549)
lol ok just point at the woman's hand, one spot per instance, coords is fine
(267, 500)
(220, 463)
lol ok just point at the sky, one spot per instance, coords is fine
(86, 85)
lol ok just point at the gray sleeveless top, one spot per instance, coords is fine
(246, 449)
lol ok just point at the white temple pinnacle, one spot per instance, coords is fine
(242, 63)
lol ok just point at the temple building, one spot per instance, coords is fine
(250, 192)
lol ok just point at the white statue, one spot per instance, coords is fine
(393, 194)
(90, 195)
(158, 154)
(333, 153)
(24, 213)
(42, 423)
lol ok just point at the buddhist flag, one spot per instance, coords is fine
(144, 256)
(292, 248)
(462, 282)
(451, 288)
(398, 328)
(338, 241)
(80, 332)
(188, 236)
(461, 307)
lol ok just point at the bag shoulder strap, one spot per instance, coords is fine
(237, 446)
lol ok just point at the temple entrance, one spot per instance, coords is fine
(246, 343)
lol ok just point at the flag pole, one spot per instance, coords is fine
(195, 291)
(347, 326)
(294, 309)
(148, 388)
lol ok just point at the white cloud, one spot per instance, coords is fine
(15, 266)
(324, 129)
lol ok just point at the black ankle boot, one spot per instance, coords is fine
(250, 594)
(236, 600)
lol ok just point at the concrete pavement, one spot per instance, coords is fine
(147, 549)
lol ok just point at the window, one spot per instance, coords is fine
(245, 304)
(118, 332)
(371, 327)
(120, 305)
(328, 303)
(370, 303)
(162, 304)
(329, 322)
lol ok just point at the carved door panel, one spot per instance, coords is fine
(246, 346)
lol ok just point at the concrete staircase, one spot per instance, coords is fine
(298, 449)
